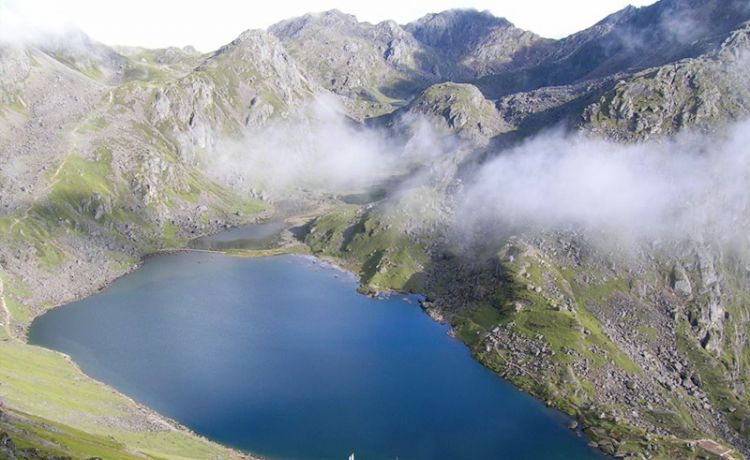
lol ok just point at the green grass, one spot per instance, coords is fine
(90, 71)
(486, 316)
(715, 380)
(26, 231)
(92, 125)
(32, 432)
(297, 249)
(649, 333)
(170, 235)
(50, 403)
(82, 417)
(469, 325)
(77, 188)
(14, 292)
(561, 329)
(382, 255)
(15, 104)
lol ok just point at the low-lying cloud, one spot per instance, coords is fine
(691, 186)
(28, 23)
(319, 149)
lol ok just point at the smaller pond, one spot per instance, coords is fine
(250, 236)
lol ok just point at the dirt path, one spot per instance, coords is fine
(4, 312)
(715, 448)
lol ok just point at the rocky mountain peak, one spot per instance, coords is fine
(455, 29)
(628, 41)
(738, 41)
(112, 149)
(294, 27)
(253, 37)
(473, 43)
(253, 49)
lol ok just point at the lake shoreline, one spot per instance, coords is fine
(169, 424)
(285, 245)
(20, 336)
(352, 280)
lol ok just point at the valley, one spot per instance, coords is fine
(574, 211)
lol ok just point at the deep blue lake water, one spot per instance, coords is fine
(282, 357)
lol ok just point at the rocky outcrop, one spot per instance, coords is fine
(374, 66)
(240, 86)
(14, 69)
(370, 65)
(647, 346)
(625, 42)
(700, 92)
(455, 108)
(474, 43)
(90, 179)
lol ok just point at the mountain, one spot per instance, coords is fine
(691, 92)
(372, 65)
(110, 154)
(377, 66)
(241, 85)
(458, 108)
(89, 185)
(629, 40)
(475, 43)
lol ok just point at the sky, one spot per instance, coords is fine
(208, 24)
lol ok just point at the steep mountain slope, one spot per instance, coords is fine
(699, 92)
(458, 108)
(645, 343)
(627, 41)
(474, 43)
(240, 86)
(377, 66)
(369, 64)
(94, 177)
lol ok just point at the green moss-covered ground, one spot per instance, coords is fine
(76, 416)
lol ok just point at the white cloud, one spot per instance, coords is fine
(691, 187)
(317, 149)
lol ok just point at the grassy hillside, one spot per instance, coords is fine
(50, 405)
(102, 187)
(571, 330)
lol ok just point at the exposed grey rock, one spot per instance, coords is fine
(700, 92)
(681, 282)
(455, 108)
(627, 41)
(475, 43)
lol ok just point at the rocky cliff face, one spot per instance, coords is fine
(475, 43)
(646, 344)
(370, 65)
(385, 63)
(240, 86)
(95, 175)
(692, 92)
(627, 41)
(456, 108)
